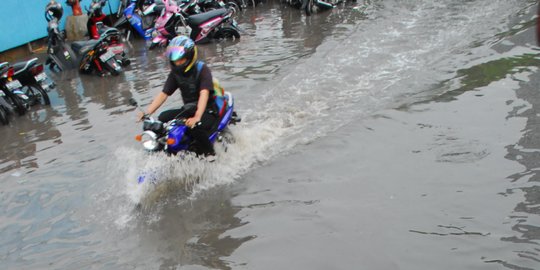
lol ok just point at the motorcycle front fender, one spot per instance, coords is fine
(177, 134)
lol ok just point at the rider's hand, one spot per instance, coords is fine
(192, 121)
(140, 116)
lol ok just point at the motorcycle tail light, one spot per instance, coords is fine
(171, 141)
(114, 39)
(10, 72)
(37, 69)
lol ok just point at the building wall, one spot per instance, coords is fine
(23, 21)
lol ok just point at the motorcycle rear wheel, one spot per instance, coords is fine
(17, 102)
(3, 116)
(227, 32)
(110, 66)
(37, 94)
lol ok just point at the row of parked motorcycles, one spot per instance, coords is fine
(201, 20)
(22, 85)
(156, 21)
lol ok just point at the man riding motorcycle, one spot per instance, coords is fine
(194, 79)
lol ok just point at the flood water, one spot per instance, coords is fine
(379, 135)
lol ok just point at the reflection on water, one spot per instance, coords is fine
(187, 233)
(526, 183)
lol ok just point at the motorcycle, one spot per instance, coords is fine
(216, 24)
(207, 5)
(173, 137)
(7, 103)
(95, 19)
(101, 55)
(12, 96)
(311, 6)
(166, 24)
(97, 29)
(34, 81)
(142, 18)
(59, 54)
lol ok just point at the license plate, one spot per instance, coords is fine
(41, 77)
(106, 56)
(15, 84)
(116, 49)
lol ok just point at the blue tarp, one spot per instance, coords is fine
(23, 21)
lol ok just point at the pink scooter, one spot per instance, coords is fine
(216, 24)
(166, 24)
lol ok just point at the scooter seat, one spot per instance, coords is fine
(79, 47)
(198, 19)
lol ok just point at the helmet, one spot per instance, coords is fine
(54, 9)
(182, 47)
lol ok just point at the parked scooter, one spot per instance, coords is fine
(59, 54)
(216, 24)
(166, 24)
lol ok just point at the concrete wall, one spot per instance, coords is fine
(23, 21)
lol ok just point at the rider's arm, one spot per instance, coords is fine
(169, 88)
(201, 103)
(201, 106)
(156, 103)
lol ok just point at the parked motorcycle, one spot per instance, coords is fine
(312, 6)
(101, 55)
(8, 105)
(216, 24)
(141, 18)
(34, 81)
(173, 137)
(97, 29)
(59, 54)
(13, 99)
(96, 16)
(207, 5)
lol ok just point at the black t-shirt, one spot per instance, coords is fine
(205, 78)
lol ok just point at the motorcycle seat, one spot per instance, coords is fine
(198, 19)
(79, 46)
(22, 66)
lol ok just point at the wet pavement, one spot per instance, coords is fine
(380, 135)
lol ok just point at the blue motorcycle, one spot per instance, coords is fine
(141, 17)
(173, 137)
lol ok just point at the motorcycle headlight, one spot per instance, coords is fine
(149, 141)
